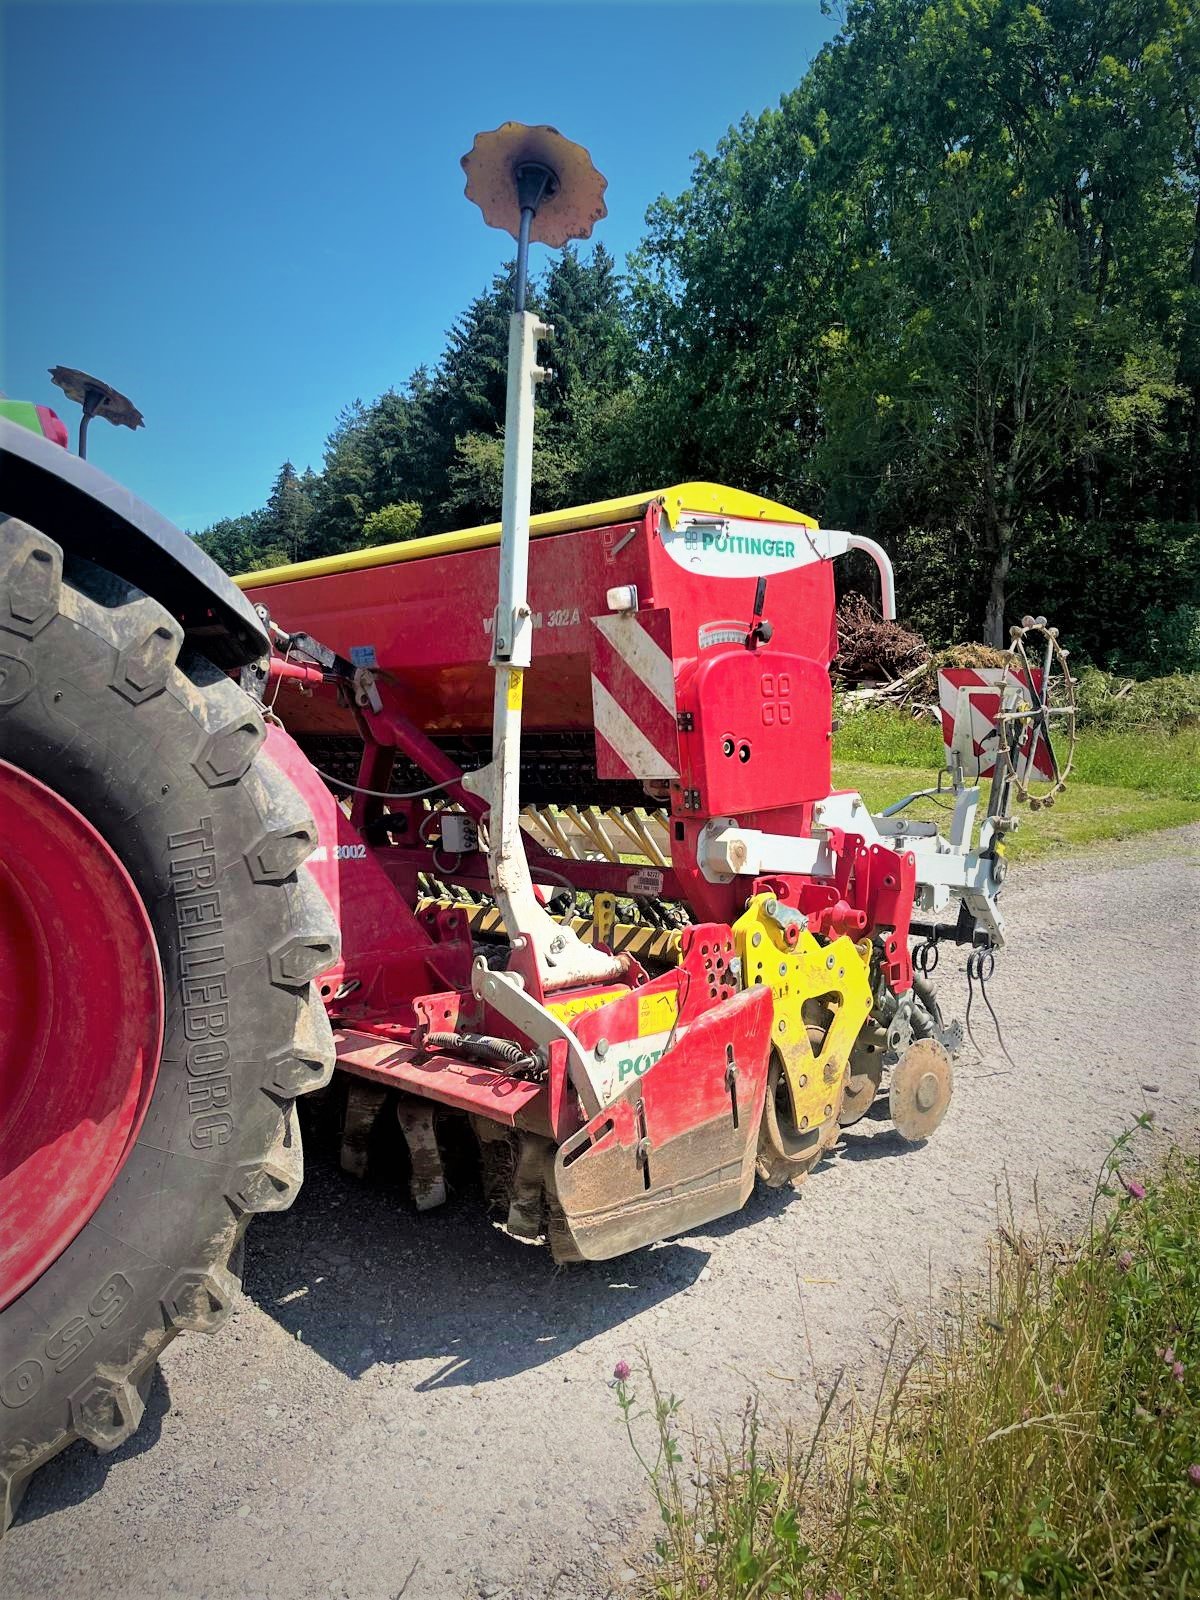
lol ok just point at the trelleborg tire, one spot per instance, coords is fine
(159, 752)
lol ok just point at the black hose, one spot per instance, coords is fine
(537, 871)
(651, 912)
(927, 995)
(484, 1046)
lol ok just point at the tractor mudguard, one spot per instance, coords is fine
(89, 515)
(677, 1147)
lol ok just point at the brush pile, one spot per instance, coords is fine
(881, 663)
(871, 650)
(924, 685)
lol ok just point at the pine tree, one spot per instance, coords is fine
(289, 512)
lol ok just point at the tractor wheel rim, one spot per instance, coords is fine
(81, 1024)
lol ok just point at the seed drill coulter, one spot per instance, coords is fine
(529, 827)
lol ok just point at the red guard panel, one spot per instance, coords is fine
(760, 730)
(985, 709)
(677, 1147)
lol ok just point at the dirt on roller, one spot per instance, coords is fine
(420, 1405)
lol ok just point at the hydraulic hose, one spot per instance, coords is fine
(927, 995)
(484, 1047)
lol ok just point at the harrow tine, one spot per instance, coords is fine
(639, 832)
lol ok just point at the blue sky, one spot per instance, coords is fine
(247, 216)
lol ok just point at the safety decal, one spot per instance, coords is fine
(633, 696)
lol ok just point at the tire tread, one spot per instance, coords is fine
(149, 659)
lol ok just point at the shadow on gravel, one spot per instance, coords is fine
(874, 1146)
(765, 1203)
(79, 1472)
(762, 1205)
(360, 1277)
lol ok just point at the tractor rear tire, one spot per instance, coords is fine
(159, 753)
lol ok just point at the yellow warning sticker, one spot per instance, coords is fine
(516, 682)
(567, 1010)
(657, 1013)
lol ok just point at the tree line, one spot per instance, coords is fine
(946, 293)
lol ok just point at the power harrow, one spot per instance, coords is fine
(643, 999)
(531, 826)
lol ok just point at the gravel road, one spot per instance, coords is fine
(421, 1400)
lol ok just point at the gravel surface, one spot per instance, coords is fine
(420, 1405)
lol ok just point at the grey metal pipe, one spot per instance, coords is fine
(527, 215)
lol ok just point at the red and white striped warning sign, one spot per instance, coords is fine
(633, 696)
(975, 693)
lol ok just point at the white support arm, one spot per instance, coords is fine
(562, 958)
(839, 541)
(944, 869)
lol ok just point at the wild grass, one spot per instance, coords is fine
(1124, 781)
(1085, 814)
(1043, 1440)
(1170, 704)
(884, 737)
(1150, 759)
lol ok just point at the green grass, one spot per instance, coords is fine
(1160, 763)
(1123, 782)
(886, 738)
(1044, 1441)
(1085, 814)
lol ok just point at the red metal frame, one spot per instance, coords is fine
(465, 1086)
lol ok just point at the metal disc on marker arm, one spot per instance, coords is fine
(568, 210)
